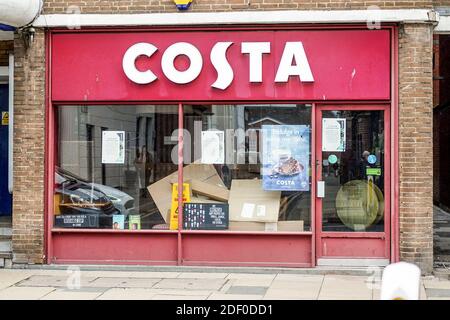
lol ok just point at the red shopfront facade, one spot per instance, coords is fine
(127, 80)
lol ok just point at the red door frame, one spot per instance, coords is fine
(386, 235)
(51, 152)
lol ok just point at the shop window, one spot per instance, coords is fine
(108, 156)
(247, 167)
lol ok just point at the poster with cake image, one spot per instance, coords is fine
(285, 157)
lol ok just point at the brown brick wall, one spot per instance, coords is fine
(140, 6)
(28, 200)
(415, 145)
(6, 47)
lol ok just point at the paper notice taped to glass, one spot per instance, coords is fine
(213, 150)
(333, 134)
(113, 147)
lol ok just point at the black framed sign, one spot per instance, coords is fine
(205, 216)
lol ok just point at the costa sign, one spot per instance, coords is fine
(294, 62)
(223, 65)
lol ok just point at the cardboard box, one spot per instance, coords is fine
(209, 190)
(161, 191)
(246, 226)
(249, 202)
(203, 200)
(291, 226)
(288, 226)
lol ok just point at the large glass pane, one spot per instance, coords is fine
(108, 157)
(353, 170)
(250, 163)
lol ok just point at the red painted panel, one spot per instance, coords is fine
(354, 248)
(349, 64)
(247, 249)
(121, 248)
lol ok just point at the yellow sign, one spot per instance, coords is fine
(174, 206)
(5, 118)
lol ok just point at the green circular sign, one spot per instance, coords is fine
(332, 159)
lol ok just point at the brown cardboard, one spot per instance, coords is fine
(249, 202)
(246, 226)
(209, 190)
(202, 200)
(291, 226)
(161, 191)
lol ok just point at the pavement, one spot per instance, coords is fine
(74, 284)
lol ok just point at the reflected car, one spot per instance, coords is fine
(90, 197)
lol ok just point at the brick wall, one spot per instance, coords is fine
(28, 200)
(135, 6)
(6, 47)
(415, 145)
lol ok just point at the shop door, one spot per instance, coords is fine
(5, 196)
(352, 195)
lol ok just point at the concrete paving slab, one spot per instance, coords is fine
(440, 293)
(11, 277)
(62, 294)
(222, 296)
(251, 276)
(127, 274)
(345, 287)
(258, 282)
(291, 294)
(436, 284)
(137, 282)
(202, 275)
(297, 285)
(127, 294)
(105, 282)
(299, 277)
(242, 290)
(175, 297)
(24, 293)
(191, 284)
(54, 281)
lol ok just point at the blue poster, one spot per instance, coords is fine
(285, 157)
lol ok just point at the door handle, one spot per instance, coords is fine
(320, 189)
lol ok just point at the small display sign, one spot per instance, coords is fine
(77, 221)
(373, 171)
(205, 216)
(5, 118)
(174, 207)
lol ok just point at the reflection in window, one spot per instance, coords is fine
(257, 156)
(90, 193)
(247, 167)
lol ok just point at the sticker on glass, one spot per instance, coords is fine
(332, 159)
(372, 159)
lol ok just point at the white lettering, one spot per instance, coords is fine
(188, 75)
(225, 73)
(255, 51)
(293, 62)
(129, 63)
(301, 68)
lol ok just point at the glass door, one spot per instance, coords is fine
(352, 192)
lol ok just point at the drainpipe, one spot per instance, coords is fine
(11, 122)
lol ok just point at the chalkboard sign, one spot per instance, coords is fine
(205, 216)
(77, 221)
